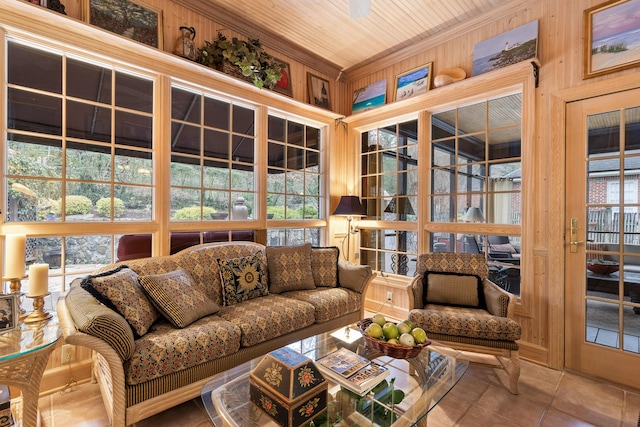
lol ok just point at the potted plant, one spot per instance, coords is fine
(249, 58)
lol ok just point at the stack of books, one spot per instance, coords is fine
(352, 371)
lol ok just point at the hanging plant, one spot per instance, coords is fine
(248, 56)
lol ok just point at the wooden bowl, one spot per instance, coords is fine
(397, 351)
(603, 269)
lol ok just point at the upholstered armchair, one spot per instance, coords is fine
(454, 302)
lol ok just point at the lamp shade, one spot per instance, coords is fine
(349, 206)
(474, 215)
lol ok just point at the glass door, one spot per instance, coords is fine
(602, 237)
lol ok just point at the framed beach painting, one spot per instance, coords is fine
(319, 93)
(611, 37)
(371, 96)
(413, 82)
(505, 49)
(134, 20)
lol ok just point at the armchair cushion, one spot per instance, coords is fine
(466, 322)
(460, 290)
(504, 247)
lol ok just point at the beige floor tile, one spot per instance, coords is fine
(631, 417)
(479, 416)
(555, 418)
(186, 414)
(590, 400)
(519, 409)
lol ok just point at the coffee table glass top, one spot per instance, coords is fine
(423, 381)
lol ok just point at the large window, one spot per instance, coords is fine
(213, 158)
(79, 148)
(294, 180)
(476, 178)
(389, 175)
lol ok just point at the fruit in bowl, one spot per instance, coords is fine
(602, 267)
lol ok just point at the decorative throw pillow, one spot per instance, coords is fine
(324, 266)
(289, 268)
(96, 319)
(504, 247)
(120, 290)
(243, 278)
(455, 289)
(353, 276)
(178, 298)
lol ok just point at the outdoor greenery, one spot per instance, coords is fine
(192, 213)
(104, 207)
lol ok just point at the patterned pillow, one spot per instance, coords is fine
(178, 298)
(289, 268)
(120, 290)
(243, 278)
(324, 266)
(461, 290)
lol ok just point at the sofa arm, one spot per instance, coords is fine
(72, 335)
(499, 302)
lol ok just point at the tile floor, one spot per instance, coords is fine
(547, 398)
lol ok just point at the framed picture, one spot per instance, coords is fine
(284, 84)
(371, 96)
(9, 312)
(413, 82)
(134, 20)
(505, 49)
(319, 91)
(611, 37)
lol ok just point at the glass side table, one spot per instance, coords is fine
(24, 353)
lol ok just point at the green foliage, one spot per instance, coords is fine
(308, 212)
(192, 213)
(277, 211)
(104, 207)
(250, 56)
(614, 48)
(77, 205)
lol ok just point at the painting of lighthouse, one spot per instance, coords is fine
(505, 49)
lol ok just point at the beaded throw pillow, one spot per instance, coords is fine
(243, 278)
(120, 290)
(178, 298)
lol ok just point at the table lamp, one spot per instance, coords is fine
(349, 206)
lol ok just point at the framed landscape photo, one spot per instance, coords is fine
(9, 312)
(413, 82)
(371, 96)
(284, 84)
(611, 37)
(134, 20)
(319, 93)
(505, 49)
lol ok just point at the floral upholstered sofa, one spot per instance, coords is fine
(160, 327)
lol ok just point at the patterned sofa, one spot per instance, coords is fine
(160, 327)
(454, 302)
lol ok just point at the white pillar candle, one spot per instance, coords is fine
(14, 255)
(38, 280)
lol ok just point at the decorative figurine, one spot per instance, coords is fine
(184, 44)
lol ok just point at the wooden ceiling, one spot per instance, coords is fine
(321, 33)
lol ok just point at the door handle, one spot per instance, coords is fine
(573, 236)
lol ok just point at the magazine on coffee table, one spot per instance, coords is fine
(350, 370)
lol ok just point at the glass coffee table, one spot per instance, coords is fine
(404, 398)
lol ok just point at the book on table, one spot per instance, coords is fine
(350, 370)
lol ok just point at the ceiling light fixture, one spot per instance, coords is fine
(359, 8)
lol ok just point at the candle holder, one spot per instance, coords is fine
(39, 314)
(15, 286)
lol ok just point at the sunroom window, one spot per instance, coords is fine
(212, 158)
(389, 177)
